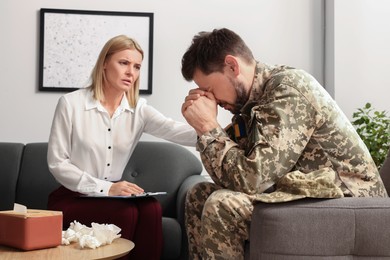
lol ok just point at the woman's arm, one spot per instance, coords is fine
(166, 128)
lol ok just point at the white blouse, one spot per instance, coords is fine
(88, 150)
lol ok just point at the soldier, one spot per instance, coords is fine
(288, 140)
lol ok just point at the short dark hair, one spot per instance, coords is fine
(209, 49)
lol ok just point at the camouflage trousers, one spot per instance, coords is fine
(217, 222)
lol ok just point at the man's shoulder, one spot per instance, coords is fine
(289, 79)
(287, 75)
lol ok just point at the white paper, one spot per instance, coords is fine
(19, 208)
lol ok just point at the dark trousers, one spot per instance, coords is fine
(140, 220)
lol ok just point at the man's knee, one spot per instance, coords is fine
(227, 210)
(200, 192)
(217, 208)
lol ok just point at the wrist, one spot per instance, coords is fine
(205, 128)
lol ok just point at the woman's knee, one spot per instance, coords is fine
(149, 207)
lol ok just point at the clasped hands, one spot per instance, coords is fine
(200, 110)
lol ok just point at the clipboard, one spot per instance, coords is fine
(134, 196)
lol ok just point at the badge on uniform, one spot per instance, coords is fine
(239, 127)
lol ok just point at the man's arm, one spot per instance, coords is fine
(278, 133)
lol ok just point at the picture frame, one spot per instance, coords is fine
(71, 40)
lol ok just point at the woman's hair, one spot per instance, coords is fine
(209, 49)
(114, 45)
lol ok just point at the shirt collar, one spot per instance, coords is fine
(92, 103)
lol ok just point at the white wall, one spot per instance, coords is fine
(361, 53)
(278, 31)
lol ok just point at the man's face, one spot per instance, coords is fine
(229, 92)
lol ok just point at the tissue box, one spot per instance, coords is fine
(35, 229)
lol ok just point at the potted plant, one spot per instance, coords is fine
(374, 128)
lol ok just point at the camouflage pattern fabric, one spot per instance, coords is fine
(292, 124)
(297, 185)
(289, 124)
(217, 222)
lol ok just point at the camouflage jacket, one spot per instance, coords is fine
(289, 124)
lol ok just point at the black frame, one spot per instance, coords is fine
(47, 77)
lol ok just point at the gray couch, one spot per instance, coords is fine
(155, 166)
(346, 228)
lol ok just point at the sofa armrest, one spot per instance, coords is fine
(10, 161)
(188, 183)
(162, 166)
(318, 227)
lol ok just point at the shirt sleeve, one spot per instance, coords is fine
(59, 156)
(278, 131)
(166, 128)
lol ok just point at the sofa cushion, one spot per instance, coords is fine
(154, 167)
(10, 159)
(35, 180)
(171, 230)
(335, 228)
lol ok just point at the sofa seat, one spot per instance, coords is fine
(345, 228)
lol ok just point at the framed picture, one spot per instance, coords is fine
(71, 40)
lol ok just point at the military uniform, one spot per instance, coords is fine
(290, 136)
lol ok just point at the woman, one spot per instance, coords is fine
(93, 135)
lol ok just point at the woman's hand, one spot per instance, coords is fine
(124, 188)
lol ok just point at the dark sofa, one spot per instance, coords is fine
(346, 228)
(155, 166)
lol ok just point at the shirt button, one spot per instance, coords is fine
(109, 147)
(108, 164)
(109, 129)
(101, 190)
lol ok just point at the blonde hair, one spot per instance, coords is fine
(114, 45)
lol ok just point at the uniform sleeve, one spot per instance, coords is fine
(59, 154)
(278, 131)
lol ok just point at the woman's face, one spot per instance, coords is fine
(122, 69)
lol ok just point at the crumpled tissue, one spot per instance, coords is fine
(91, 237)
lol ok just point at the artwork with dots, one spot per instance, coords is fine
(72, 39)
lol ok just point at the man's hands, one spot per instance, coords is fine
(200, 110)
(124, 188)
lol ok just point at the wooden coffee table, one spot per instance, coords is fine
(118, 248)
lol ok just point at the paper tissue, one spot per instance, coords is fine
(30, 229)
(90, 237)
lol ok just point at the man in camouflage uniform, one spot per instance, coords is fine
(287, 134)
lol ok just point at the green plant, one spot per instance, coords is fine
(374, 129)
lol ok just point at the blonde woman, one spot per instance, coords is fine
(93, 135)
